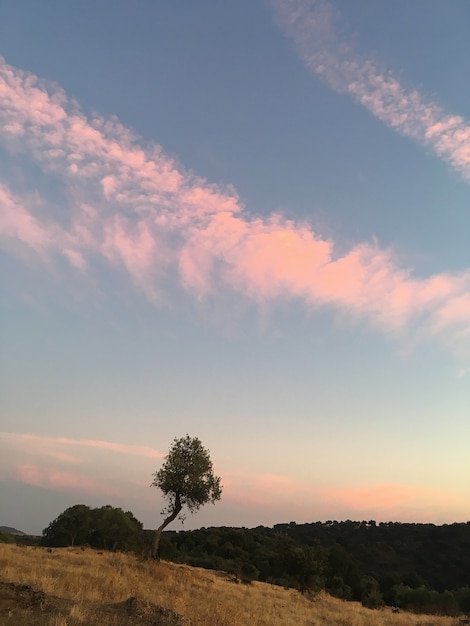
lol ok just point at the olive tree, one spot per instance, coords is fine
(186, 479)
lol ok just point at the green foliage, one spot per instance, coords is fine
(418, 567)
(361, 561)
(339, 589)
(72, 527)
(304, 564)
(6, 538)
(425, 600)
(187, 477)
(187, 480)
(113, 528)
(258, 554)
(437, 557)
(105, 527)
(370, 593)
(342, 574)
(249, 572)
(463, 599)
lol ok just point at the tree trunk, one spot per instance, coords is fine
(158, 533)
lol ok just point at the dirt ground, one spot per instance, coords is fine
(22, 605)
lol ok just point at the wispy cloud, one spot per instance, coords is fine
(86, 466)
(385, 496)
(94, 469)
(392, 501)
(55, 446)
(279, 496)
(56, 480)
(319, 34)
(138, 211)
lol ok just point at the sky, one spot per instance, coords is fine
(247, 221)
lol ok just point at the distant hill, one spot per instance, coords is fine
(12, 531)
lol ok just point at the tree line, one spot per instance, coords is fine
(420, 567)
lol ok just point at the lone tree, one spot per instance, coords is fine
(186, 479)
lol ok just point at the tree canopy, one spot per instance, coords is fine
(105, 527)
(186, 479)
(71, 527)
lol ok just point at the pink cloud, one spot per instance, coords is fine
(275, 259)
(395, 501)
(64, 457)
(45, 462)
(17, 224)
(314, 26)
(455, 309)
(59, 480)
(277, 495)
(140, 213)
(374, 496)
(89, 466)
(268, 491)
(48, 446)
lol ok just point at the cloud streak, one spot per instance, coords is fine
(54, 446)
(275, 494)
(139, 212)
(89, 467)
(315, 28)
(60, 480)
(94, 469)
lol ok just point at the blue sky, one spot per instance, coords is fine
(247, 221)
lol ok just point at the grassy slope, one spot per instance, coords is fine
(91, 579)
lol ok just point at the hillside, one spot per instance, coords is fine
(76, 587)
(420, 567)
(414, 566)
(12, 531)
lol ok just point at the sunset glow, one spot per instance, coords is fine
(249, 223)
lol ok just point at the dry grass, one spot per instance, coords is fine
(205, 598)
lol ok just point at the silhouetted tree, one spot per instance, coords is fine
(115, 529)
(104, 527)
(187, 480)
(70, 528)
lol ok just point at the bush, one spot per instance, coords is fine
(370, 593)
(249, 572)
(106, 527)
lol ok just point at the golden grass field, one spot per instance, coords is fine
(89, 581)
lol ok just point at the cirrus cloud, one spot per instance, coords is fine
(315, 26)
(139, 212)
